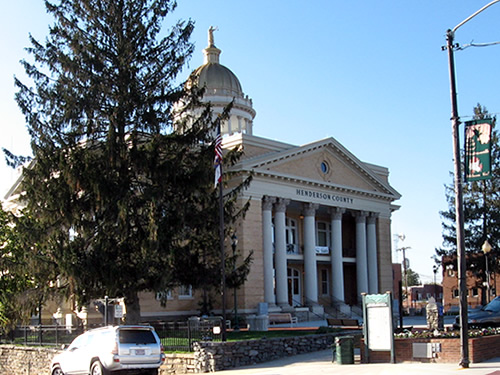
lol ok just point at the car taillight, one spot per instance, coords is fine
(115, 349)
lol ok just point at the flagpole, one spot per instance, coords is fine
(221, 233)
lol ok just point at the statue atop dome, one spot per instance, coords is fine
(211, 36)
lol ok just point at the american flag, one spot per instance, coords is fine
(218, 158)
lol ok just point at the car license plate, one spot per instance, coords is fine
(140, 352)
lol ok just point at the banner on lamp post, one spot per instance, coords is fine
(478, 149)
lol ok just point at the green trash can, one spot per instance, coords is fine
(344, 350)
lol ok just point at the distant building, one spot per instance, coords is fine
(419, 295)
(397, 279)
(476, 286)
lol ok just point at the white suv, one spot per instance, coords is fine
(102, 351)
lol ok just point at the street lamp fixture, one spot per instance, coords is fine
(234, 243)
(486, 249)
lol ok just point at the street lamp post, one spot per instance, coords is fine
(486, 249)
(459, 210)
(234, 243)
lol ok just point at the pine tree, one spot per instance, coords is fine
(123, 201)
(481, 215)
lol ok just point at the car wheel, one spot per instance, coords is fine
(57, 371)
(97, 369)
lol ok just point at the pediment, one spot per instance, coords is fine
(324, 162)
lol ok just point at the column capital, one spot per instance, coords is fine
(281, 203)
(372, 217)
(310, 209)
(336, 212)
(267, 202)
(360, 216)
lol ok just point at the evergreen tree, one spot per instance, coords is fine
(120, 189)
(481, 215)
(21, 292)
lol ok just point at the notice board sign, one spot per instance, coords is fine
(378, 327)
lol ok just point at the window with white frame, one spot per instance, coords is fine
(322, 237)
(324, 282)
(291, 236)
(164, 295)
(185, 292)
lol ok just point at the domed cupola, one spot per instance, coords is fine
(221, 87)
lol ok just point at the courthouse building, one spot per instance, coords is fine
(319, 222)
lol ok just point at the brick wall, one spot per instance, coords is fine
(480, 350)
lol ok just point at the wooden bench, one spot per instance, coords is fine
(342, 322)
(281, 318)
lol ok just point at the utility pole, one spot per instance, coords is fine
(459, 210)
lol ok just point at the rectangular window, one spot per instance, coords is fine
(291, 236)
(324, 282)
(322, 237)
(166, 294)
(322, 234)
(185, 292)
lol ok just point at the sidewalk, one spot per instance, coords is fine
(318, 363)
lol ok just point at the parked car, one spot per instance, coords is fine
(487, 316)
(102, 351)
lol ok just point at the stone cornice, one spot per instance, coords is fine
(323, 185)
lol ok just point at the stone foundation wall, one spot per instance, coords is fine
(210, 356)
(178, 363)
(15, 360)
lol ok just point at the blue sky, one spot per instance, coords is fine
(371, 74)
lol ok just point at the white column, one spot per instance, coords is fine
(337, 263)
(280, 252)
(310, 267)
(371, 245)
(267, 246)
(361, 258)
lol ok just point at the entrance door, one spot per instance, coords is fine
(350, 284)
(294, 295)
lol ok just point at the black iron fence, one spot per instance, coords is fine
(43, 335)
(174, 336)
(180, 336)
